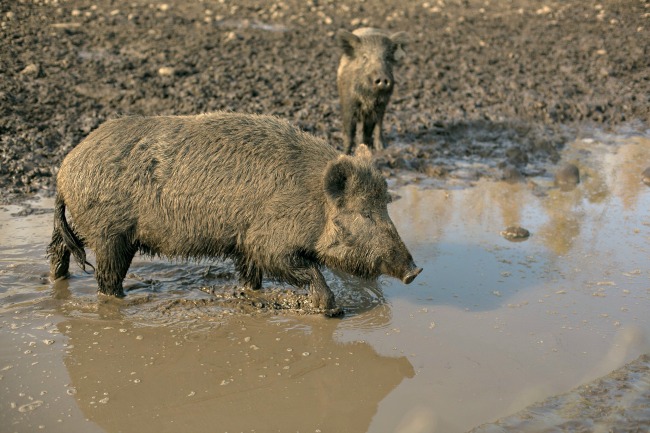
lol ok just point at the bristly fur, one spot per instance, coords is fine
(223, 185)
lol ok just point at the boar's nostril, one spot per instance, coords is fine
(382, 83)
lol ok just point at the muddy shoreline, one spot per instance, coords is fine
(507, 83)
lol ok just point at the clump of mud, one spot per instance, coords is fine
(265, 299)
(209, 304)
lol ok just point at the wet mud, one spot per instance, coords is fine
(504, 85)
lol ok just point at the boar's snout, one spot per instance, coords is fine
(382, 82)
(410, 275)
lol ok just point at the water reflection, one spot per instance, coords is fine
(240, 375)
(606, 173)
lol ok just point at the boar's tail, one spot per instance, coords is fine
(70, 239)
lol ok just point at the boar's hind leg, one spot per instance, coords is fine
(114, 255)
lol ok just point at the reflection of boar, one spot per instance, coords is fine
(252, 188)
(365, 81)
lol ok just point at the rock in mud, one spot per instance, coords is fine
(515, 234)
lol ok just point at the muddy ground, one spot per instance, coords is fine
(507, 82)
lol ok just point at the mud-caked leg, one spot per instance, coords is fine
(250, 276)
(59, 256)
(321, 295)
(114, 256)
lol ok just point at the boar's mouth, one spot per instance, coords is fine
(410, 275)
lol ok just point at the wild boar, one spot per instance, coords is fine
(365, 81)
(277, 201)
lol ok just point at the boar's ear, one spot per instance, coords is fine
(401, 40)
(347, 41)
(337, 177)
(363, 152)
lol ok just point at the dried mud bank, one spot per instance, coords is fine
(504, 84)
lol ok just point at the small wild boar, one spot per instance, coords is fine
(277, 201)
(365, 81)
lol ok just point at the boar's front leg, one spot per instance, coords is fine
(349, 131)
(250, 276)
(368, 128)
(372, 131)
(114, 255)
(321, 295)
(378, 135)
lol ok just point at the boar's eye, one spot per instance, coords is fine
(367, 215)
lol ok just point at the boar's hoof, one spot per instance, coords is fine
(115, 294)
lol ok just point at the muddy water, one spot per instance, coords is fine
(489, 328)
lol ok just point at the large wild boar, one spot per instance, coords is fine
(365, 81)
(277, 201)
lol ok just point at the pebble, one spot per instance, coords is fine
(31, 69)
(166, 71)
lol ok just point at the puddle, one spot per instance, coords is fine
(489, 328)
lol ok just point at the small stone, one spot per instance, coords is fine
(515, 233)
(31, 69)
(166, 71)
(232, 36)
